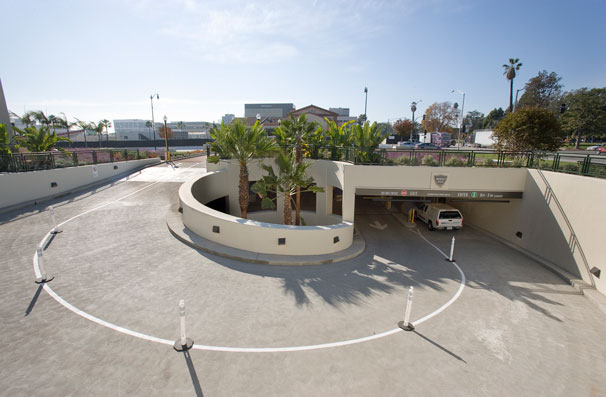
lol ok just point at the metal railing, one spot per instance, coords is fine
(21, 162)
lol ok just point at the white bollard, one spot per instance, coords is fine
(43, 276)
(54, 220)
(406, 325)
(183, 343)
(452, 245)
(182, 318)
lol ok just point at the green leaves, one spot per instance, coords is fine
(37, 140)
(528, 129)
(5, 140)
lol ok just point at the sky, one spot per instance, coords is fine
(103, 59)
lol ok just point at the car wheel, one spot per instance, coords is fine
(430, 226)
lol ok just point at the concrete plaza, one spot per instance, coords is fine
(515, 329)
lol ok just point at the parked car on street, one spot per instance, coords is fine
(602, 150)
(408, 144)
(440, 216)
(595, 147)
(427, 146)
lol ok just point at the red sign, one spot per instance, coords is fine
(403, 192)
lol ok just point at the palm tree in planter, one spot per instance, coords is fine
(339, 136)
(290, 179)
(293, 133)
(510, 73)
(243, 144)
(366, 139)
(37, 139)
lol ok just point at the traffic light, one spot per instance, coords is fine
(563, 108)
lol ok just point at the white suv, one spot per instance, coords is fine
(440, 216)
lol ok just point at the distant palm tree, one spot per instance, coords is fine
(106, 124)
(149, 125)
(510, 73)
(85, 125)
(243, 144)
(28, 118)
(64, 123)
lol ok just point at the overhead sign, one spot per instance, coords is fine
(469, 194)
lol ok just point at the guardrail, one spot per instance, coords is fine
(21, 162)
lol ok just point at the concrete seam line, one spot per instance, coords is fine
(150, 338)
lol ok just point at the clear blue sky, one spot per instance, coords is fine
(103, 59)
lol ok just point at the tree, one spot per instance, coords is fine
(291, 179)
(385, 127)
(585, 113)
(366, 139)
(37, 139)
(339, 136)
(440, 116)
(180, 125)
(403, 128)
(161, 133)
(362, 119)
(28, 118)
(315, 142)
(64, 123)
(529, 129)
(98, 128)
(510, 73)
(294, 133)
(5, 141)
(474, 121)
(544, 91)
(106, 124)
(243, 144)
(85, 125)
(149, 125)
(493, 118)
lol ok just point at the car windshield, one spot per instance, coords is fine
(450, 215)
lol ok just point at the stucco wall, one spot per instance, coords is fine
(545, 231)
(25, 187)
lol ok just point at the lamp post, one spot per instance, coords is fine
(515, 106)
(365, 102)
(151, 98)
(167, 157)
(462, 120)
(413, 108)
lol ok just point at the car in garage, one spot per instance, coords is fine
(440, 216)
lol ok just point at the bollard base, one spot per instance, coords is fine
(407, 327)
(44, 280)
(450, 260)
(181, 348)
(56, 231)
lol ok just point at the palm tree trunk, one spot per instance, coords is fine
(287, 214)
(243, 190)
(298, 160)
(511, 97)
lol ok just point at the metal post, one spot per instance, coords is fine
(183, 343)
(406, 325)
(54, 220)
(151, 97)
(452, 246)
(44, 278)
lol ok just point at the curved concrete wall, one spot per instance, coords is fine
(251, 235)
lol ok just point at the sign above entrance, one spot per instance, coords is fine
(467, 194)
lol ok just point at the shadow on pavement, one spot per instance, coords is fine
(439, 346)
(34, 299)
(192, 373)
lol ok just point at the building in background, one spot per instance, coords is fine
(141, 130)
(342, 115)
(317, 114)
(267, 110)
(228, 118)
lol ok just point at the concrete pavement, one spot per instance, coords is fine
(516, 328)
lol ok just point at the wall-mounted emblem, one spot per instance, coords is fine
(440, 180)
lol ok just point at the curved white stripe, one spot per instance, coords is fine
(150, 338)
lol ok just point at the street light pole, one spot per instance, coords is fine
(462, 120)
(167, 157)
(365, 103)
(151, 97)
(515, 106)
(413, 107)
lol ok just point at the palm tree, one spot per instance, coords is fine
(510, 73)
(294, 133)
(243, 144)
(63, 123)
(106, 124)
(366, 139)
(149, 125)
(338, 137)
(37, 139)
(85, 126)
(28, 118)
(291, 177)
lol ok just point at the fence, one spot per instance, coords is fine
(20, 162)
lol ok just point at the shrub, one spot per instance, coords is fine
(455, 162)
(518, 163)
(486, 162)
(429, 161)
(570, 167)
(405, 160)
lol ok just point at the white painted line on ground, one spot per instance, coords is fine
(150, 338)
